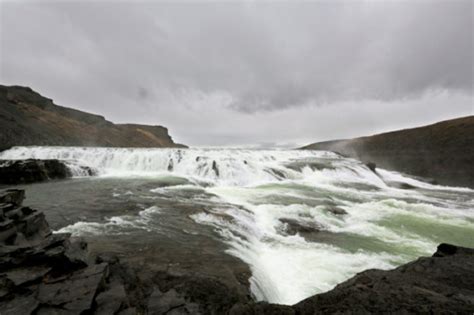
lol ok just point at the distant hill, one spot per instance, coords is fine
(443, 151)
(27, 118)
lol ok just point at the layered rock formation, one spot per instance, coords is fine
(45, 273)
(13, 172)
(27, 118)
(443, 151)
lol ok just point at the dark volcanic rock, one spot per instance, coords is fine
(13, 172)
(293, 226)
(193, 294)
(400, 185)
(443, 151)
(215, 168)
(442, 284)
(30, 171)
(41, 273)
(336, 210)
(76, 292)
(27, 118)
(427, 285)
(372, 166)
(12, 196)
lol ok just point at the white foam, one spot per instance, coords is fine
(231, 167)
(392, 176)
(248, 192)
(114, 225)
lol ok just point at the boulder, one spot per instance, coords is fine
(215, 168)
(294, 226)
(372, 166)
(336, 210)
(14, 172)
(14, 197)
(33, 225)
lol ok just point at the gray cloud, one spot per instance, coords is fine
(133, 60)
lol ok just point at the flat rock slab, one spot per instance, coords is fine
(19, 305)
(21, 276)
(170, 302)
(112, 300)
(75, 293)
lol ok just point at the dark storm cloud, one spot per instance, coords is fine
(129, 60)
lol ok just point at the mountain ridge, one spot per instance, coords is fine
(28, 118)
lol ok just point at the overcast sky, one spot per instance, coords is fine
(286, 73)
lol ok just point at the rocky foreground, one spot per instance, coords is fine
(27, 118)
(45, 273)
(443, 151)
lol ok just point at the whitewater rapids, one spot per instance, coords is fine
(253, 198)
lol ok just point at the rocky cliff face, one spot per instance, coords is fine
(27, 118)
(443, 151)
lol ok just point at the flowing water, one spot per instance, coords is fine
(303, 221)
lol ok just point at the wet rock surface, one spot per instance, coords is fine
(294, 226)
(441, 284)
(45, 273)
(13, 172)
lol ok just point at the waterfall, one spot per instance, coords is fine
(226, 166)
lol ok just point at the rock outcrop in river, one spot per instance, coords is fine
(45, 273)
(27, 118)
(13, 172)
(443, 151)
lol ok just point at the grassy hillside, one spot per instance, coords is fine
(27, 118)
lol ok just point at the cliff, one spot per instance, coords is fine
(443, 151)
(27, 118)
